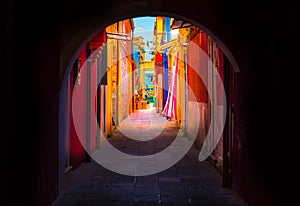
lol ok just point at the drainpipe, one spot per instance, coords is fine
(186, 88)
(212, 93)
(132, 75)
(88, 101)
(117, 81)
(98, 101)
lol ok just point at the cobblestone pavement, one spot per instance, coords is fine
(188, 182)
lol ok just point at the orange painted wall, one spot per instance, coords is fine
(200, 61)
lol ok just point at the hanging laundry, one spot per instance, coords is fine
(170, 109)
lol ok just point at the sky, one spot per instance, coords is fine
(144, 27)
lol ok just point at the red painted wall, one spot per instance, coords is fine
(77, 151)
(78, 133)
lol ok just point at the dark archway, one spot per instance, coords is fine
(209, 19)
(81, 30)
(41, 80)
(96, 27)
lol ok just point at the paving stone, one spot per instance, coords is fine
(147, 190)
(188, 182)
(209, 201)
(67, 199)
(175, 199)
(169, 179)
(146, 197)
(171, 172)
(145, 181)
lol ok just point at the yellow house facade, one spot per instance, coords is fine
(120, 89)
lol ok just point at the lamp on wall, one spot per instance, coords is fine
(176, 24)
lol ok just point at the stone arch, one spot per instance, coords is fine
(80, 31)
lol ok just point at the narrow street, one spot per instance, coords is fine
(188, 182)
(71, 71)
